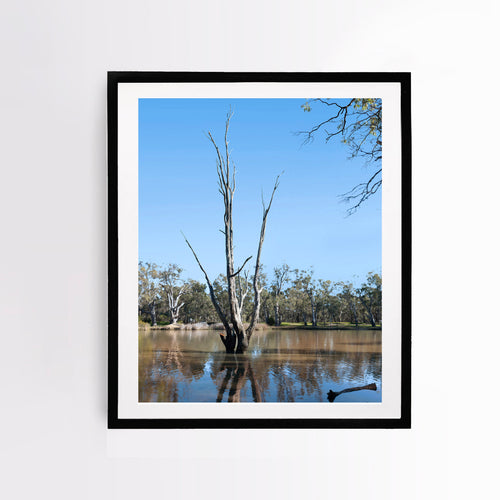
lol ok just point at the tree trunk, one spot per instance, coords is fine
(266, 313)
(243, 341)
(277, 321)
(153, 314)
(313, 311)
(230, 342)
(173, 303)
(355, 317)
(368, 308)
(372, 319)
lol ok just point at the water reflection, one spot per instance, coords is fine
(280, 366)
(237, 370)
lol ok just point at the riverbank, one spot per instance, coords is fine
(261, 326)
(329, 326)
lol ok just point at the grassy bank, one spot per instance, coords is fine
(262, 326)
(328, 326)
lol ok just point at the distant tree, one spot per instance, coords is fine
(348, 295)
(265, 297)
(325, 302)
(197, 304)
(149, 290)
(370, 296)
(267, 306)
(172, 289)
(358, 125)
(281, 277)
(295, 305)
(304, 282)
(220, 293)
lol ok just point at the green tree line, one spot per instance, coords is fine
(287, 296)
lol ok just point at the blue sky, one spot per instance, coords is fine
(307, 225)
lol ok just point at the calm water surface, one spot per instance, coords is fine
(279, 366)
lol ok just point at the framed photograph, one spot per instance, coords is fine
(259, 250)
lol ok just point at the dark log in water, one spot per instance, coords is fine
(332, 395)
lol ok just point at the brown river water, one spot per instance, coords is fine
(280, 366)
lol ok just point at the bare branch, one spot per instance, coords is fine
(234, 178)
(362, 192)
(223, 182)
(226, 142)
(359, 126)
(257, 290)
(276, 184)
(222, 316)
(341, 111)
(242, 266)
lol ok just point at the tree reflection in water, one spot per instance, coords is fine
(280, 366)
(238, 369)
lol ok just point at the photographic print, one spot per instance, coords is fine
(258, 264)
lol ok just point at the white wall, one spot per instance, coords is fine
(54, 58)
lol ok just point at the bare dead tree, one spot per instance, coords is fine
(236, 336)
